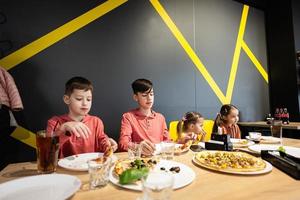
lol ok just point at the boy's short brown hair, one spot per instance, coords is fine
(79, 83)
(141, 85)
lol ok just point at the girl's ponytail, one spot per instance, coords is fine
(180, 128)
(217, 123)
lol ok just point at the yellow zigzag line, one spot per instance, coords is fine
(58, 34)
(200, 66)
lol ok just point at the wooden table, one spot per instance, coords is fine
(207, 185)
(263, 124)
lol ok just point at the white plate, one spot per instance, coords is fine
(79, 162)
(237, 143)
(158, 149)
(266, 140)
(267, 169)
(181, 179)
(294, 151)
(46, 187)
(179, 151)
(202, 144)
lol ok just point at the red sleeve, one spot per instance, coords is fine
(125, 133)
(51, 124)
(13, 93)
(165, 130)
(102, 141)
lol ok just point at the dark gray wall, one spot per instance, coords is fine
(282, 60)
(296, 22)
(132, 42)
(296, 27)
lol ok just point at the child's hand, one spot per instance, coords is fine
(108, 151)
(201, 136)
(147, 148)
(113, 144)
(191, 136)
(187, 137)
(77, 128)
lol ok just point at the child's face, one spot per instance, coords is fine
(197, 127)
(145, 99)
(232, 117)
(79, 102)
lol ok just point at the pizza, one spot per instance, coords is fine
(181, 148)
(229, 161)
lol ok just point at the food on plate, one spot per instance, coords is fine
(103, 158)
(130, 171)
(132, 175)
(183, 147)
(230, 161)
(172, 169)
(282, 149)
(175, 169)
(99, 160)
(241, 143)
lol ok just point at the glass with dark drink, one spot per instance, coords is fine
(47, 147)
(276, 130)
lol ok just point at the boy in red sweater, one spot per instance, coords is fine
(78, 131)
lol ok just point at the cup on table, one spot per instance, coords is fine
(47, 146)
(256, 136)
(99, 172)
(157, 186)
(276, 130)
(167, 150)
(134, 151)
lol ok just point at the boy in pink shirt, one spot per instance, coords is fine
(79, 132)
(143, 125)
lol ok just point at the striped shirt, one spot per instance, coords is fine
(9, 94)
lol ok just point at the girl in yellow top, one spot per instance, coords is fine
(226, 121)
(190, 128)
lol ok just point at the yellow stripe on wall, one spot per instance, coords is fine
(24, 136)
(58, 34)
(237, 53)
(188, 49)
(257, 64)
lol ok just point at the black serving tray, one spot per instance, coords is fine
(290, 167)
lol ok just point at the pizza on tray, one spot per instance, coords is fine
(229, 161)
